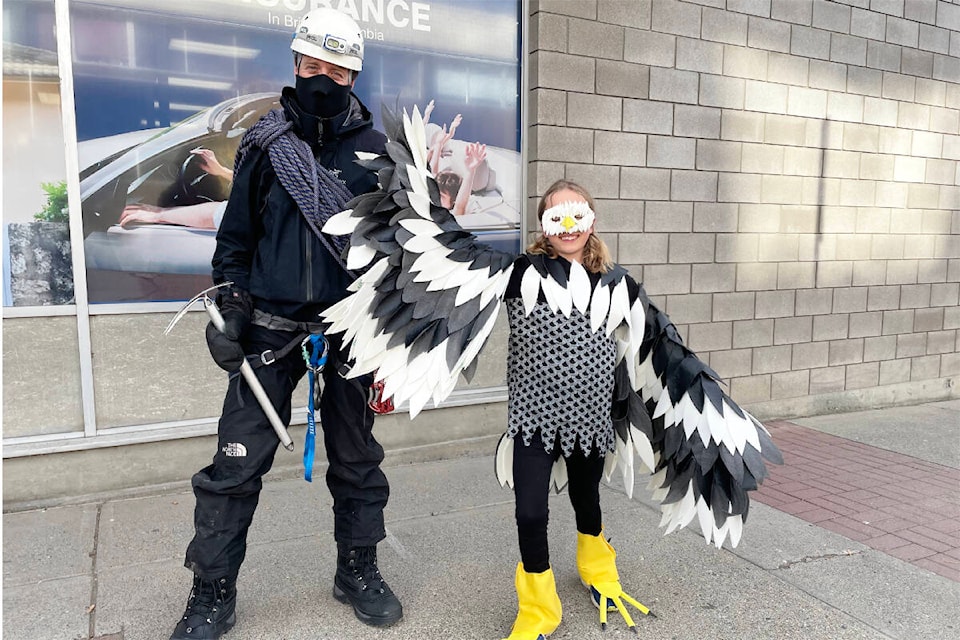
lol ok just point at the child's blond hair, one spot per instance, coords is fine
(596, 255)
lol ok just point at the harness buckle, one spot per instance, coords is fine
(268, 357)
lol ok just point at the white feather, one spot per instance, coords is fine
(657, 491)
(599, 305)
(360, 256)
(558, 474)
(558, 297)
(476, 285)
(530, 289)
(751, 430)
(664, 405)
(619, 306)
(736, 426)
(433, 266)
(579, 285)
(609, 464)
(495, 287)
(718, 426)
(416, 139)
(341, 224)
(418, 181)
(644, 449)
(705, 516)
(625, 456)
(736, 529)
(420, 204)
(505, 461)
(420, 227)
(720, 534)
(457, 277)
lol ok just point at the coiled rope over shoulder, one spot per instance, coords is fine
(318, 193)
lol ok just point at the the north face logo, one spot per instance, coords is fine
(235, 450)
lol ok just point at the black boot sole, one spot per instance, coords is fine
(228, 624)
(373, 621)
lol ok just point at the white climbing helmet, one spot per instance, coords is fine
(329, 35)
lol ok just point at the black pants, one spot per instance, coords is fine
(531, 482)
(228, 490)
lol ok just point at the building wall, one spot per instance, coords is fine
(781, 174)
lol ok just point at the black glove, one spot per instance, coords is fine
(236, 307)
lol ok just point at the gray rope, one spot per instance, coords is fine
(318, 193)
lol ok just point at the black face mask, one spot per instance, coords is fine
(321, 96)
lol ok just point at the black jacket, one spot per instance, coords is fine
(264, 244)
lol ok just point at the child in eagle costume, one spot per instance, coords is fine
(597, 376)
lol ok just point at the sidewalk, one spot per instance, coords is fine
(857, 536)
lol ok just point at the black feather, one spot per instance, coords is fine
(402, 199)
(399, 153)
(483, 318)
(672, 440)
(392, 124)
(754, 462)
(464, 314)
(558, 271)
(539, 263)
(719, 499)
(679, 485)
(733, 462)
(768, 450)
(739, 501)
(613, 276)
(705, 456)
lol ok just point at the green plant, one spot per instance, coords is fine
(56, 209)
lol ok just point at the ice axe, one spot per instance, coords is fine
(245, 369)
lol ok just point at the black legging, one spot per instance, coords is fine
(531, 480)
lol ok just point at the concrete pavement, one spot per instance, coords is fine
(112, 569)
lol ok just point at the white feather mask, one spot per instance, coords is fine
(567, 217)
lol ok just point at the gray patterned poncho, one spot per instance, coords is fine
(560, 379)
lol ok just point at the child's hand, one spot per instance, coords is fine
(475, 153)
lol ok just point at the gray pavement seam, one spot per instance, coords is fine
(92, 609)
(786, 564)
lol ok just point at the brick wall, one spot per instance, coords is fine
(782, 175)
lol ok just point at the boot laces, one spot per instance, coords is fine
(365, 569)
(206, 597)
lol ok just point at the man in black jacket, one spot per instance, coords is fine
(294, 169)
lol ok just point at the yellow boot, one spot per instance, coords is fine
(597, 564)
(540, 610)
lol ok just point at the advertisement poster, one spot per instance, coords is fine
(37, 267)
(164, 95)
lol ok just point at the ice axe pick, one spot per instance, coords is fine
(245, 369)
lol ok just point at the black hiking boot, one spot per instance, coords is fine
(210, 610)
(358, 582)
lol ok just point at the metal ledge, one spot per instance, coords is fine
(158, 432)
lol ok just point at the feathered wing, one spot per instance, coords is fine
(705, 452)
(428, 300)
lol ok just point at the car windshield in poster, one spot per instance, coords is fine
(163, 98)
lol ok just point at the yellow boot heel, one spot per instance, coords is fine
(539, 605)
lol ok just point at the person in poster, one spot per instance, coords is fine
(155, 84)
(294, 169)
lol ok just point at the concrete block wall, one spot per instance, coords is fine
(782, 175)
